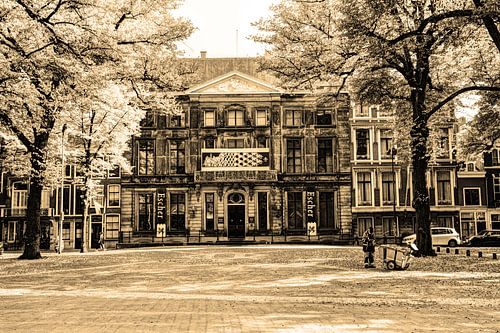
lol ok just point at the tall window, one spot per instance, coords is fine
(326, 210)
(293, 118)
(66, 231)
(79, 204)
(472, 196)
(114, 195)
(496, 188)
(177, 211)
(112, 226)
(261, 117)
(146, 158)
(176, 120)
(146, 212)
(385, 144)
(324, 116)
(293, 155)
(495, 156)
(177, 157)
(19, 198)
(149, 120)
(325, 155)
(295, 210)
(495, 221)
(262, 210)
(387, 188)
(443, 187)
(235, 118)
(443, 143)
(388, 226)
(45, 200)
(364, 223)
(209, 211)
(209, 118)
(98, 200)
(364, 189)
(362, 110)
(67, 200)
(362, 141)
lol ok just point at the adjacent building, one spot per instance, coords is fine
(382, 191)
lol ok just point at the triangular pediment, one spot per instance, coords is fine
(234, 83)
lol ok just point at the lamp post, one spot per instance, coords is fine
(61, 203)
(394, 152)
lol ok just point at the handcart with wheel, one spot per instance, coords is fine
(396, 257)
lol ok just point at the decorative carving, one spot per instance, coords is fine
(236, 85)
(235, 159)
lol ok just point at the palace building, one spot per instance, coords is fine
(243, 160)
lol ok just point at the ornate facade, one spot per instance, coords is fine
(243, 160)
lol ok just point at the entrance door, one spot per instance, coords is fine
(78, 235)
(236, 221)
(96, 229)
(45, 235)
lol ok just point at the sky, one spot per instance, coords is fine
(223, 27)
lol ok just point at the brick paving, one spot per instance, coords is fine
(242, 289)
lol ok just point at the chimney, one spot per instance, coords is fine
(203, 54)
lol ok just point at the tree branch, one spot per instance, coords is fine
(490, 25)
(432, 19)
(457, 93)
(5, 119)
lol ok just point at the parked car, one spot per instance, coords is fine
(485, 238)
(440, 236)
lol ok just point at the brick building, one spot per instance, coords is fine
(382, 185)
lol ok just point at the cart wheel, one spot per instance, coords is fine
(391, 265)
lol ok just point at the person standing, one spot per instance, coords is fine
(369, 247)
(101, 242)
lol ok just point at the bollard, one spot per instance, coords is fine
(438, 249)
(480, 254)
(494, 256)
(467, 253)
(447, 250)
(456, 251)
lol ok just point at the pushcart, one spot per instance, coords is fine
(396, 257)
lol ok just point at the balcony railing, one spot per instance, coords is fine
(237, 159)
(21, 211)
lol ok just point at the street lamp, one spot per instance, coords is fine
(61, 204)
(394, 152)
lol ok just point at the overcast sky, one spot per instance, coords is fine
(223, 26)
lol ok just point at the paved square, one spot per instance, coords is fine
(246, 289)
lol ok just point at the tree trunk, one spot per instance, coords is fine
(85, 232)
(33, 229)
(420, 134)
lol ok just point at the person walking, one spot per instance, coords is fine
(101, 242)
(369, 247)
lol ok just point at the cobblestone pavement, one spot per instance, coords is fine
(246, 289)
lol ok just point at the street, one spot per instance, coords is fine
(246, 289)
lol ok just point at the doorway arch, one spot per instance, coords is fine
(236, 215)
